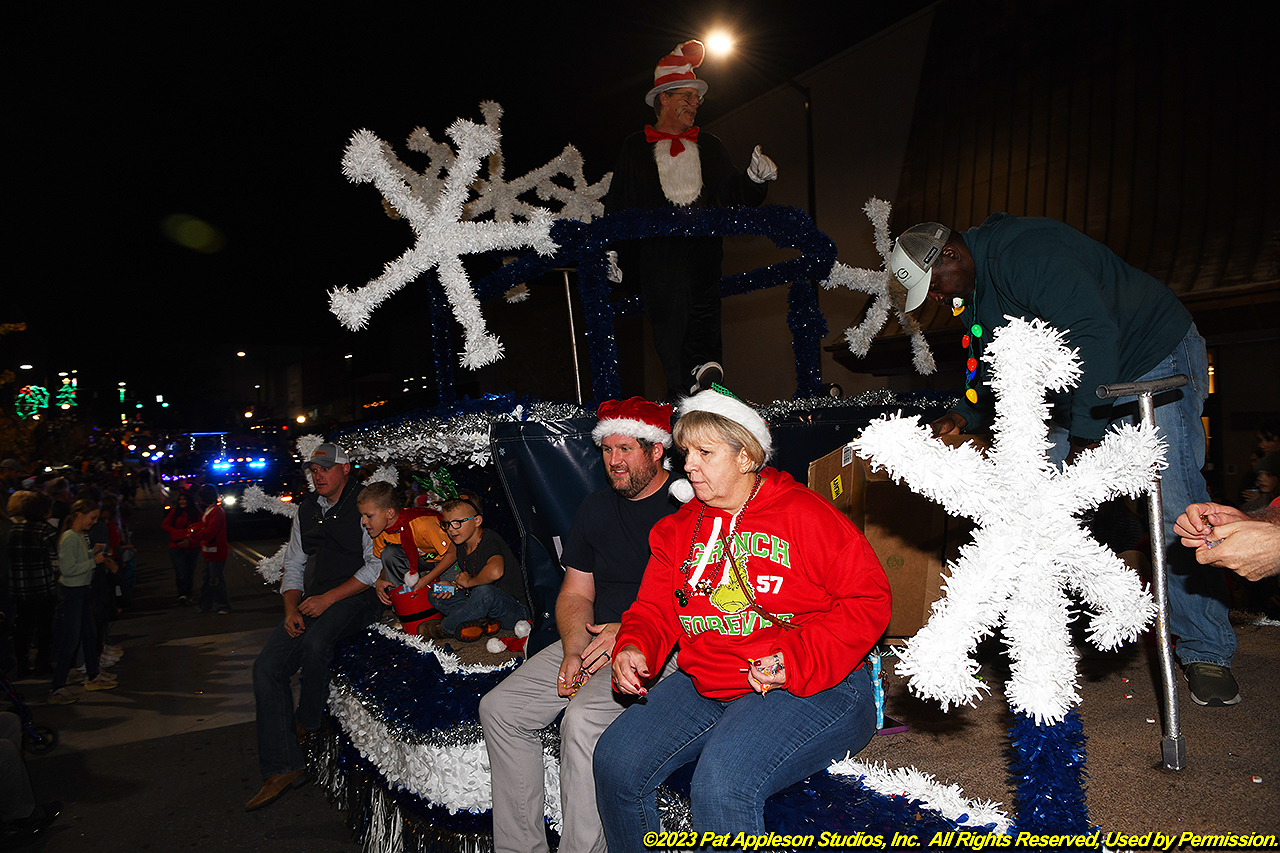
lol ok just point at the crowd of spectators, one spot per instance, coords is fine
(67, 568)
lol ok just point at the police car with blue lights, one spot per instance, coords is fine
(232, 467)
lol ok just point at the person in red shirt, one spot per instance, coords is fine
(210, 533)
(182, 551)
(775, 599)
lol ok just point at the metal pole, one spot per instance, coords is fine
(812, 172)
(1173, 747)
(573, 337)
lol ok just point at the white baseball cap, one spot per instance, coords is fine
(913, 258)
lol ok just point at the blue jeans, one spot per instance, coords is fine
(1198, 600)
(747, 750)
(213, 588)
(184, 568)
(281, 657)
(73, 627)
(479, 602)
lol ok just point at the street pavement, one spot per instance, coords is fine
(168, 760)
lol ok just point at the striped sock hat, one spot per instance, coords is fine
(675, 70)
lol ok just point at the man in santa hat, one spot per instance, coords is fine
(604, 557)
(672, 164)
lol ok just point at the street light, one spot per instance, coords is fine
(719, 43)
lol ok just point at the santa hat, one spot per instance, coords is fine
(675, 71)
(636, 417)
(719, 400)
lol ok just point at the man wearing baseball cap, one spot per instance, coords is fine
(329, 570)
(672, 164)
(1127, 327)
(604, 557)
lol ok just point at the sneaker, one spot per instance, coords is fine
(100, 683)
(103, 675)
(704, 375)
(469, 632)
(183, 601)
(62, 696)
(19, 833)
(1211, 684)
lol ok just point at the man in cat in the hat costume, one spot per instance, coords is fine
(671, 163)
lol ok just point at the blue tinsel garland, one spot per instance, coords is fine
(585, 243)
(411, 689)
(1047, 766)
(440, 348)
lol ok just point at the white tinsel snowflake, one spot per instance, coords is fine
(255, 499)
(307, 445)
(436, 208)
(888, 294)
(272, 568)
(385, 474)
(1028, 547)
(496, 195)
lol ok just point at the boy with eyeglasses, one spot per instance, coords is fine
(478, 596)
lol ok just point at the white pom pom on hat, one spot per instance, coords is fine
(681, 489)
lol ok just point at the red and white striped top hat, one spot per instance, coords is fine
(675, 70)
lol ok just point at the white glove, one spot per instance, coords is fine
(614, 274)
(762, 168)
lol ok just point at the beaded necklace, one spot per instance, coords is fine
(705, 586)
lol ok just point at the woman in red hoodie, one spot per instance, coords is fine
(210, 533)
(775, 598)
(182, 551)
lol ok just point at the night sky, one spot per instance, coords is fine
(126, 124)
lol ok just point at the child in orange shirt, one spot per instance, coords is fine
(412, 544)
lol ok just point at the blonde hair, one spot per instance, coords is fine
(16, 500)
(80, 507)
(381, 494)
(699, 425)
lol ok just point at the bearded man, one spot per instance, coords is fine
(604, 557)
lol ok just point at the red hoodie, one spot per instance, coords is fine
(177, 524)
(806, 563)
(211, 532)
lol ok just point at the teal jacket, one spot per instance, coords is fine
(1122, 321)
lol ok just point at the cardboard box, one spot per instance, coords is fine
(913, 537)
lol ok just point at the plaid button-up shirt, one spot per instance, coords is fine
(33, 560)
